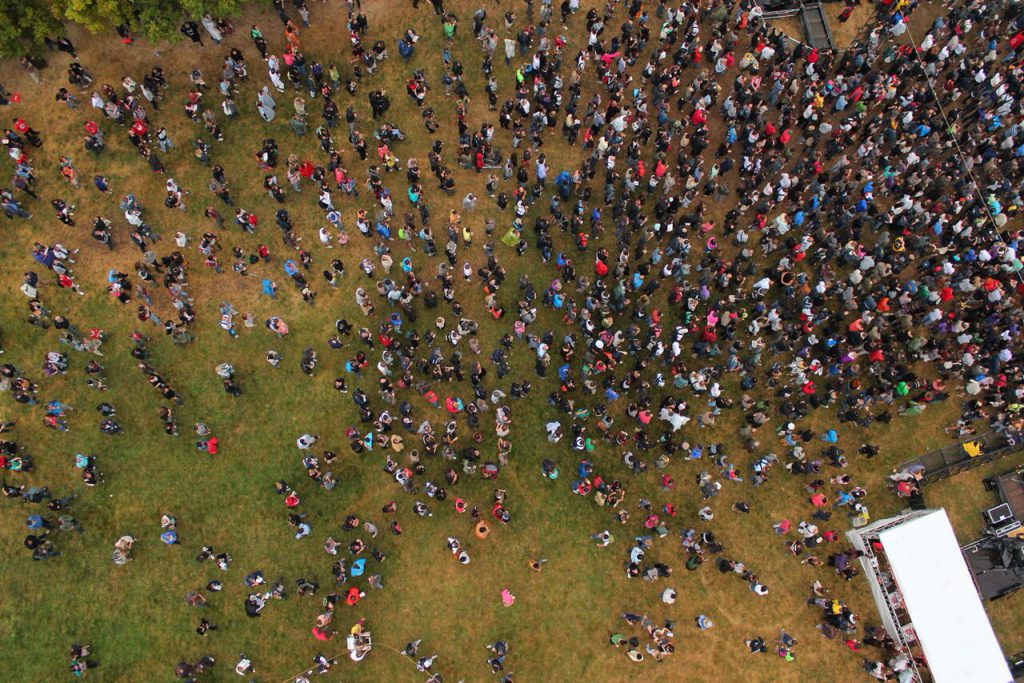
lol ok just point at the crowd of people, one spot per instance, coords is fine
(742, 224)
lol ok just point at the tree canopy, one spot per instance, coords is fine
(26, 23)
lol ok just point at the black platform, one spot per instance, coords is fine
(997, 566)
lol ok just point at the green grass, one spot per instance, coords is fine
(135, 615)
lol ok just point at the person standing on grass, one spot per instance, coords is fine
(190, 30)
(244, 667)
(265, 105)
(81, 662)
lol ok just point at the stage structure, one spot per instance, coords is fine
(927, 599)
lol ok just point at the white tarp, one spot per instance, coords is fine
(942, 601)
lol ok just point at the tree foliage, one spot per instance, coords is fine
(25, 23)
(95, 15)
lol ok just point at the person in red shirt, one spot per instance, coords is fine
(67, 283)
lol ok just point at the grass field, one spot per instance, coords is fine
(136, 617)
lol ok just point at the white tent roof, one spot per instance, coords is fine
(939, 593)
